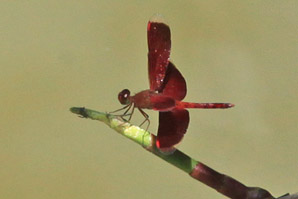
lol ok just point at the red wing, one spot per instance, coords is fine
(172, 127)
(174, 84)
(159, 44)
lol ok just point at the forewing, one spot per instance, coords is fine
(174, 84)
(172, 127)
(159, 44)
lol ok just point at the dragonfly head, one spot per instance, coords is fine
(124, 97)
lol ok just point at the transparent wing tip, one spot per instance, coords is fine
(157, 18)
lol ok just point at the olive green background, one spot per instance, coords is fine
(59, 54)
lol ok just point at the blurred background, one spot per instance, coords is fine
(55, 55)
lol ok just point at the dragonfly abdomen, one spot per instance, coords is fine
(203, 105)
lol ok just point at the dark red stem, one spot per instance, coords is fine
(227, 185)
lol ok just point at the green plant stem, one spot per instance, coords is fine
(199, 171)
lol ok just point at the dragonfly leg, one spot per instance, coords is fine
(130, 114)
(146, 118)
(128, 108)
(120, 109)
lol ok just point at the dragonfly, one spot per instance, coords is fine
(167, 90)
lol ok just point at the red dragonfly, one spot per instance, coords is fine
(167, 89)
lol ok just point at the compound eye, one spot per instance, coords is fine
(123, 97)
